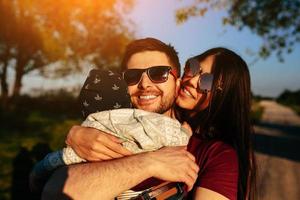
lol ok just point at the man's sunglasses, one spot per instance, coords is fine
(157, 74)
(205, 81)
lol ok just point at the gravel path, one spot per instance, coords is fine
(279, 114)
(278, 177)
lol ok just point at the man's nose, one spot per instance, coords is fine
(145, 82)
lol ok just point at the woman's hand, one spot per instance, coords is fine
(174, 164)
(94, 145)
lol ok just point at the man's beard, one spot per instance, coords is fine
(165, 105)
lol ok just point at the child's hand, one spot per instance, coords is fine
(94, 145)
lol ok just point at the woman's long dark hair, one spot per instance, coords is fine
(227, 117)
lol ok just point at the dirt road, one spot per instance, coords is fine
(278, 178)
(279, 114)
(278, 137)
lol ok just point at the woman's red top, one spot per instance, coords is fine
(218, 164)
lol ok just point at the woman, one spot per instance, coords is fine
(215, 100)
(219, 117)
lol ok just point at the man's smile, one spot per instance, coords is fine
(148, 97)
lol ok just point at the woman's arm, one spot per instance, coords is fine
(207, 194)
(218, 177)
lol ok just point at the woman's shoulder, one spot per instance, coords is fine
(212, 152)
(197, 143)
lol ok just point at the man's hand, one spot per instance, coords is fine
(94, 145)
(174, 164)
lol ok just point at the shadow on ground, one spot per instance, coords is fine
(281, 140)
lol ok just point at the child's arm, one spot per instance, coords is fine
(44, 168)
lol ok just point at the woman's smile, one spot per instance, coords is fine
(186, 92)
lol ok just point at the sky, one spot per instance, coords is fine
(156, 18)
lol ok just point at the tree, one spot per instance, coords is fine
(276, 21)
(289, 97)
(34, 34)
(19, 42)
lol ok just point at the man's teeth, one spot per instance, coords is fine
(148, 97)
(187, 92)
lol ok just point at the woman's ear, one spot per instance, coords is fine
(177, 86)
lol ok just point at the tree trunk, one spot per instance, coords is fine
(18, 78)
(3, 79)
(4, 86)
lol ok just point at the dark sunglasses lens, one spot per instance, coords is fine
(205, 82)
(188, 72)
(194, 66)
(133, 76)
(158, 74)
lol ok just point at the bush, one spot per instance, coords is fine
(58, 102)
(28, 121)
(256, 112)
(291, 99)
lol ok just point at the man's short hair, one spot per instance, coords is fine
(151, 44)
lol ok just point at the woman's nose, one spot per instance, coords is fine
(193, 81)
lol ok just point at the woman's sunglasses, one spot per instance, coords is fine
(205, 80)
(157, 74)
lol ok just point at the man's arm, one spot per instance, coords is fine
(107, 179)
(104, 179)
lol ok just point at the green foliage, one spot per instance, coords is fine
(277, 22)
(296, 108)
(256, 111)
(35, 34)
(257, 98)
(291, 99)
(30, 122)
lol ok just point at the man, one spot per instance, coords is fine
(144, 60)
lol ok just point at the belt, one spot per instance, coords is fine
(164, 191)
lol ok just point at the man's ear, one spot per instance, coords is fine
(177, 86)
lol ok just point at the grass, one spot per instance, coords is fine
(25, 130)
(256, 112)
(296, 108)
